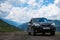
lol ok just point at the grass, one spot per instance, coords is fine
(5, 27)
(58, 33)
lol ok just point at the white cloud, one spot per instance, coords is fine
(5, 6)
(50, 11)
(57, 3)
(5, 9)
(21, 15)
(24, 14)
(22, 1)
(32, 2)
(17, 14)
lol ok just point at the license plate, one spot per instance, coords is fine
(46, 28)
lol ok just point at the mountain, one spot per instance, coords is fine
(5, 27)
(57, 22)
(11, 22)
(23, 26)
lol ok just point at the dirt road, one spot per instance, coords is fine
(24, 36)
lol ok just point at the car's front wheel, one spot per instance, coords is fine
(29, 33)
(52, 33)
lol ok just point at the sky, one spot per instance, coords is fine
(22, 11)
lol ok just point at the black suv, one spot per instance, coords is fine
(41, 25)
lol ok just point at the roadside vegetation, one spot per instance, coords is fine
(5, 27)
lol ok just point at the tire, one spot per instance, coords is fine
(29, 33)
(52, 33)
(33, 32)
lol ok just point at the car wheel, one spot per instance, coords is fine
(29, 33)
(52, 33)
(33, 32)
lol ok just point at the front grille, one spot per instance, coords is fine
(45, 25)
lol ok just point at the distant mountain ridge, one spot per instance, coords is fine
(57, 22)
(23, 26)
(5, 27)
(11, 22)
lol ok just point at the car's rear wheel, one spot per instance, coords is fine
(52, 33)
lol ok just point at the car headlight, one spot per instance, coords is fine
(53, 24)
(29, 24)
(35, 24)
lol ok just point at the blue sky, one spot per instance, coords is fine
(22, 11)
(17, 3)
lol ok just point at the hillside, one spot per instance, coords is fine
(5, 27)
(11, 22)
(23, 26)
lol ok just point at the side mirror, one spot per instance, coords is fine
(30, 22)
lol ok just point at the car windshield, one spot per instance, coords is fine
(39, 20)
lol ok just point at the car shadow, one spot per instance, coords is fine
(43, 35)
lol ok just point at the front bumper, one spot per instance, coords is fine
(41, 29)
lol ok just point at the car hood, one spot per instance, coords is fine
(44, 23)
